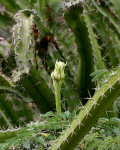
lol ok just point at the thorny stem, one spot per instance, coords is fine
(6, 120)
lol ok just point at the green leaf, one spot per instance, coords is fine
(26, 144)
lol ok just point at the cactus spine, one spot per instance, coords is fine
(90, 114)
(89, 57)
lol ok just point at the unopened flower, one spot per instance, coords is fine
(58, 73)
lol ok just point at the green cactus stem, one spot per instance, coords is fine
(6, 55)
(25, 73)
(36, 87)
(103, 29)
(22, 40)
(58, 76)
(6, 119)
(89, 115)
(112, 19)
(88, 49)
(41, 8)
(116, 4)
(13, 108)
(7, 134)
(19, 94)
(10, 5)
(24, 4)
(6, 81)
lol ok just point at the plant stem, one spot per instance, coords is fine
(58, 75)
(6, 120)
(57, 86)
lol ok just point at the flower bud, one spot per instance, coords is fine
(58, 73)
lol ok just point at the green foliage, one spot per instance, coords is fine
(102, 76)
(48, 127)
(85, 36)
(105, 135)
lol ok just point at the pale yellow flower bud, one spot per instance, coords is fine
(58, 73)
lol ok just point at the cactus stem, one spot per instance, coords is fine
(6, 120)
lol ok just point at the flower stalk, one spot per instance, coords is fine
(58, 75)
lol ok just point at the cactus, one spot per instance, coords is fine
(109, 16)
(116, 5)
(26, 61)
(15, 116)
(91, 112)
(91, 53)
(40, 37)
(10, 5)
(7, 114)
(22, 41)
(6, 55)
(36, 87)
(106, 33)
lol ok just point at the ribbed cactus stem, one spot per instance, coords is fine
(89, 115)
(58, 76)
(6, 120)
